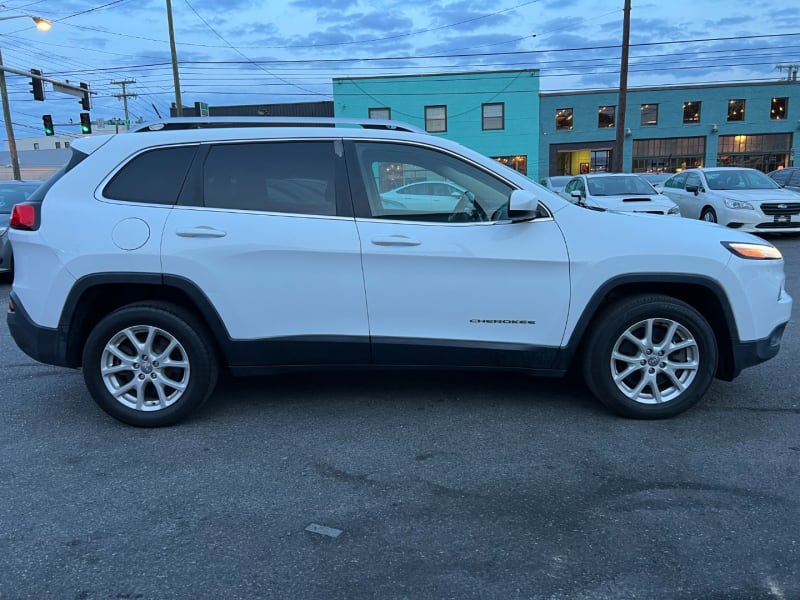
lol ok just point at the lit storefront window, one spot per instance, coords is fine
(649, 114)
(605, 116)
(765, 152)
(668, 154)
(736, 110)
(779, 108)
(518, 163)
(691, 112)
(564, 118)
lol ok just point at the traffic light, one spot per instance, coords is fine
(47, 121)
(86, 100)
(37, 85)
(86, 123)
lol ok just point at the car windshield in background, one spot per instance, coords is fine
(739, 179)
(12, 193)
(618, 186)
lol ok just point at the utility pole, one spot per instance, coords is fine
(791, 71)
(124, 95)
(174, 54)
(12, 142)
(622, 104)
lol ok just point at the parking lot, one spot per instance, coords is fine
(415, 485)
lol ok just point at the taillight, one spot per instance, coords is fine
(23, 216)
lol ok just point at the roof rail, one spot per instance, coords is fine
(222, 122)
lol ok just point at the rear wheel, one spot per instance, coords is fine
(149, 364)
(650, 357)
(709, 215)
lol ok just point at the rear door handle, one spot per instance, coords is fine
(394, 240)
(201, 232)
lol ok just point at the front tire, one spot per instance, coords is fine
(149, 364)
(650, 357)
(709, 216)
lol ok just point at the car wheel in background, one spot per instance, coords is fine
(709, 215)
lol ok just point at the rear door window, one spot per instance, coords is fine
(286, 177)
(153, 177)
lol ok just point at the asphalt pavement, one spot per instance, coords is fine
(402, 485)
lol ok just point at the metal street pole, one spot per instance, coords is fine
(176, 79)
(622, 104)
(12, 142)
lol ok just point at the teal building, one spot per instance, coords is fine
(671, 128)
(504, 115)
(493, 112)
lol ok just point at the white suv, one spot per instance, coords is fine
(154, 258)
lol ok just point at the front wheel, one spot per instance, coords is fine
(149, 364)
(709, 216)
(650, 357)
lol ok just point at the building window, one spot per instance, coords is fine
(35, 145)
(668, 154)
(493, 116)
(66, 144)
(380, 113)
(780, 108)
(735, 110)
(691, 112)
(58, 145)
(564, 118)
(649, 114)
(436, 119)
(518, 163)
(605, 116)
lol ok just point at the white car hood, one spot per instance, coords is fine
(633, 203)
(759, 196)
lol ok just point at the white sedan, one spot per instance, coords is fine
(739, 198)
(424, 196)
(619, 192)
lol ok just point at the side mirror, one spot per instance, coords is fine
(576, 194)
(693, 188)
(523, 206)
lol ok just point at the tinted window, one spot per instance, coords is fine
(694, 179)
(155, 176)
(287, 177)
(676, 181)
(781, 176)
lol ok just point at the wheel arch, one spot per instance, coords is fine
(95, 296)
(704, 294)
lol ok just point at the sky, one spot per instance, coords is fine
(233, 52)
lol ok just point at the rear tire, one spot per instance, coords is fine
(650, 357)
(149, 364)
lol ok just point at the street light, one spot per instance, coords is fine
(41, 25)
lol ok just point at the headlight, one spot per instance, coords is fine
(674, 211)
(754, 251)
(737, 204)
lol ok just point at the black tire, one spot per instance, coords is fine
(165, 332)
(655, 376)
(708, 215)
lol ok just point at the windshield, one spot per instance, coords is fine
(739, 179)
(618, 186)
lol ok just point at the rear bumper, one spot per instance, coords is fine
(43, 344)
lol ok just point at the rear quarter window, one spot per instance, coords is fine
(153, 177)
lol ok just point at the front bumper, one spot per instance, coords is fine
(43, 344)
(748, 354)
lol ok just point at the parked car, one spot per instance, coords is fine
(620, 192)
(788, 177)
(656, 179)
(738, 198)
(11, 193)
(423, 196)
(556, 183)
(261, 248)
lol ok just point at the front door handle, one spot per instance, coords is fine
(201, 232)
(394, 240)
